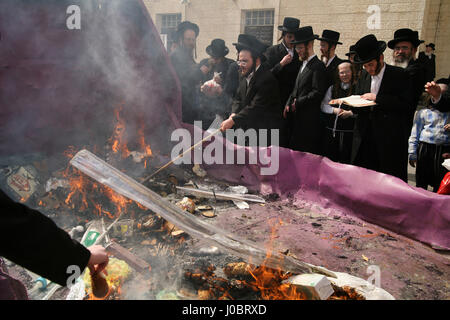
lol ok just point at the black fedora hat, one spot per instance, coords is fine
(290, 25)
(304, 34)
(330, 36)
(217, 48)
(431, 45)
(187, 25)
(368, 48)
(351, 50)
(251, 43)
(405, 34)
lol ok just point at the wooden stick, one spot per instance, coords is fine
(180, 156)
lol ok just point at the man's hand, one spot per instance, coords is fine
(447, 127)
(433, 89)
(227, 124)
(413, 163)
(98, 260)
(344, 114)
(285, 112)
(204, 69)
(286, 60)
(293, 107)
(369, 96)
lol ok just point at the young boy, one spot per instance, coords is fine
(429, 140)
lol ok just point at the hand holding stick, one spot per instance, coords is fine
(180, 156)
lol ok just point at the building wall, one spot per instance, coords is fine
(223, 19)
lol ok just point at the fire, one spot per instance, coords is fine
(144, 146)
(268, 280)
(118, 139)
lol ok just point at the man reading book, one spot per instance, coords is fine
(380, 140)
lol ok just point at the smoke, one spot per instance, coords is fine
(59, 87)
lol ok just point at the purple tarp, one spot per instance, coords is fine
(58, 85)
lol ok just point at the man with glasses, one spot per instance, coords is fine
(404, 46)
(256, 104)
(380, 141)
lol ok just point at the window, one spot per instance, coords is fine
(168, 24)
(260, 24)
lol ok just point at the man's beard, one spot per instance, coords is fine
(402, 65)
(379, 67)
(249, 71)
(402, 61)
(325, 57)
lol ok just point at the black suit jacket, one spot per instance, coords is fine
(331, 70)
(417, 72)
(285, 75)
(33, 241)
(257, 106)
(381, 129)
(310, 88)
(430, 65)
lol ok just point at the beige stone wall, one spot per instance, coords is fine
(442, 40)
(223, 19)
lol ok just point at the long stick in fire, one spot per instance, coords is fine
(180, 156)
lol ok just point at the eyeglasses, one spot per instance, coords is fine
(404, 48)
(242, 63)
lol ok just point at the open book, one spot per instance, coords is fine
(354, 101)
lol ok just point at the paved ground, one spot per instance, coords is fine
(409, 269)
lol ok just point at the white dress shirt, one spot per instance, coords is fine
(306, 62)
(325, 107)
(376, 81)
(290, 51)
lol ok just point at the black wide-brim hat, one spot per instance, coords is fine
(217, 48)
(251, 43)
(290, 25)
(351, 50)
(368, 48)
(405, 35)
(187, 25)
(304, 34)
(431, 45)
(330, 36)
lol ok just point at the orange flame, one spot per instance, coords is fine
(268, 280)
(118, 139)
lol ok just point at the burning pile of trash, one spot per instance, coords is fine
(158, 235)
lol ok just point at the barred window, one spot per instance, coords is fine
(168, 24)
(260, 24)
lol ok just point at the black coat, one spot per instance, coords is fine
(331, 70)
(190, 77)
(285, 75)
(30, 239)
(430, 65)
(380, 141)
(310, 88)
(257, 106)
(417, 72)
